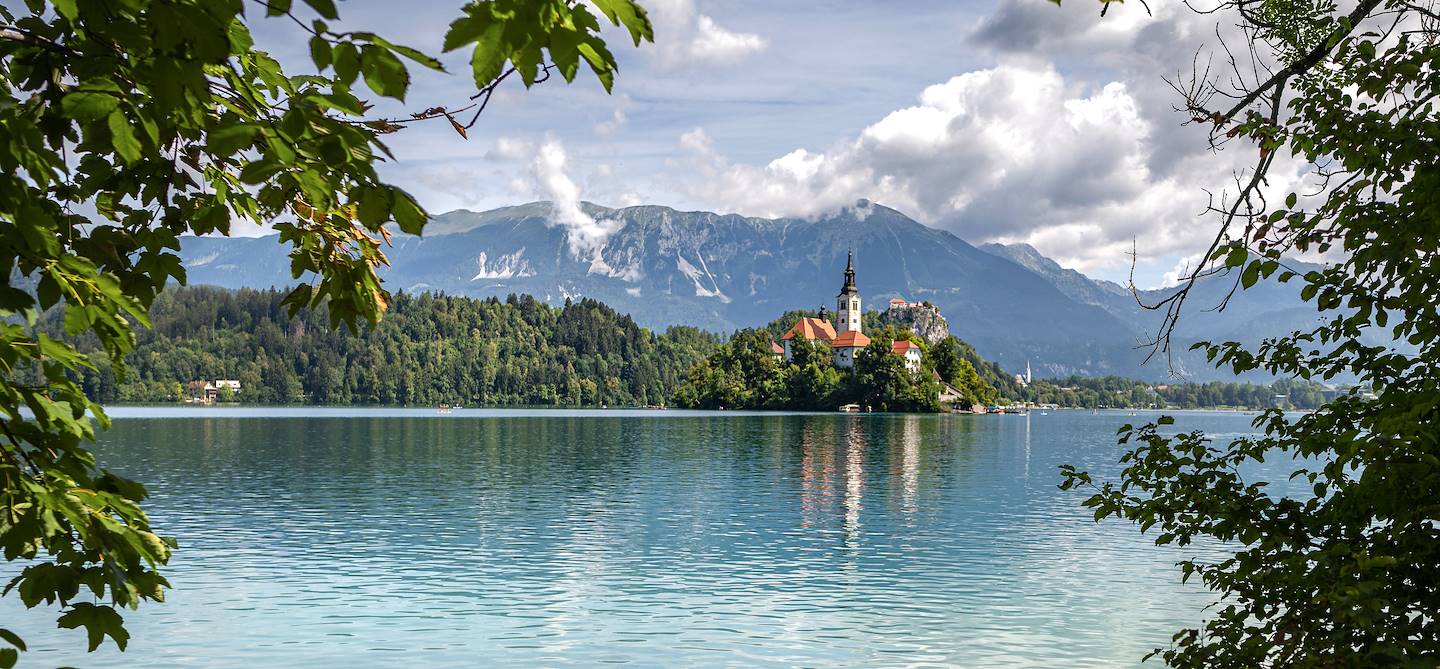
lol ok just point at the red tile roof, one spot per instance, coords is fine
(776, 348)
(811, 329)
(900, 347)
(850, 339)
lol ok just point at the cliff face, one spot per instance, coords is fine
(922, 319)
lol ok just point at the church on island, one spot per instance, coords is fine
(848, 342)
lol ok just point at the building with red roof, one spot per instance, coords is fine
(847, 345)
(810, 329)
(908, 350)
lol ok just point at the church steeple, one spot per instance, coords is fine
(847, 303)
(849, 287)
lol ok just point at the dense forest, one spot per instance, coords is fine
(1114, 391)
(429, 349)
(433, 349)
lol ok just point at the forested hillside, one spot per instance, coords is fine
(433, 349)
(1113, 391)
(429, 349)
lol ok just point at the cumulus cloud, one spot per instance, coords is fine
(685, 37)
(547, 175)
(1182, 270)
(1013, 153)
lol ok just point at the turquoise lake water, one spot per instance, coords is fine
(383, 538)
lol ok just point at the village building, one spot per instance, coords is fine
(910, 351)
(808, 329)
(950, 394)
(207, 392)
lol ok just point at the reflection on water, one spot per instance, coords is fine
(642, 539)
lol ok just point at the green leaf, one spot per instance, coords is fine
(260, 171)
(1250, 275)
(98, 621)
(601, 61)
(372, 206)
(488, 59)
(1236, 256)
(88, 106)
(229, 139)
(320, 53)
(123, 137)
(413, 54)
(407, 213)
(384, 73)
(12, 638)
(276, 7)
(347, 62)
(467, 28)
(325, 8)
(241, 41)
(632, 16)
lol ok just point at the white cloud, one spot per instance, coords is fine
(1012, 153)
(586, 234)
(684, 37)
(609, 126)
(715, 44)
(1182, 270)
(511, 148)
(548, 176)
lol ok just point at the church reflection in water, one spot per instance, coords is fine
(835, 455)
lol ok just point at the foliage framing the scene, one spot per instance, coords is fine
(127, 123)
(1344, 576)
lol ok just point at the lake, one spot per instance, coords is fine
(395, 537)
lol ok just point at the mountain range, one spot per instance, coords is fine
(722, 272)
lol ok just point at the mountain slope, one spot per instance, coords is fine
(726, 271)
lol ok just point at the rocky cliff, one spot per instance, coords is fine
(923, 319)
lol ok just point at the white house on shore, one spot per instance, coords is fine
(910, 351)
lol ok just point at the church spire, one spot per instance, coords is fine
(847, 303)
(849, 287)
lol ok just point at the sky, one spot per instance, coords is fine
(1001, 121)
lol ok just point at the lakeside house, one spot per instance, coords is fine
(910, 351)
(208, 391)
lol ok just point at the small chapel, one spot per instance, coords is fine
(849, 340)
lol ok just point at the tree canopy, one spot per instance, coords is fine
(430, 349)
(125, 124)
(1344, 576)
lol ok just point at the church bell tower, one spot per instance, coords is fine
(847, 303)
